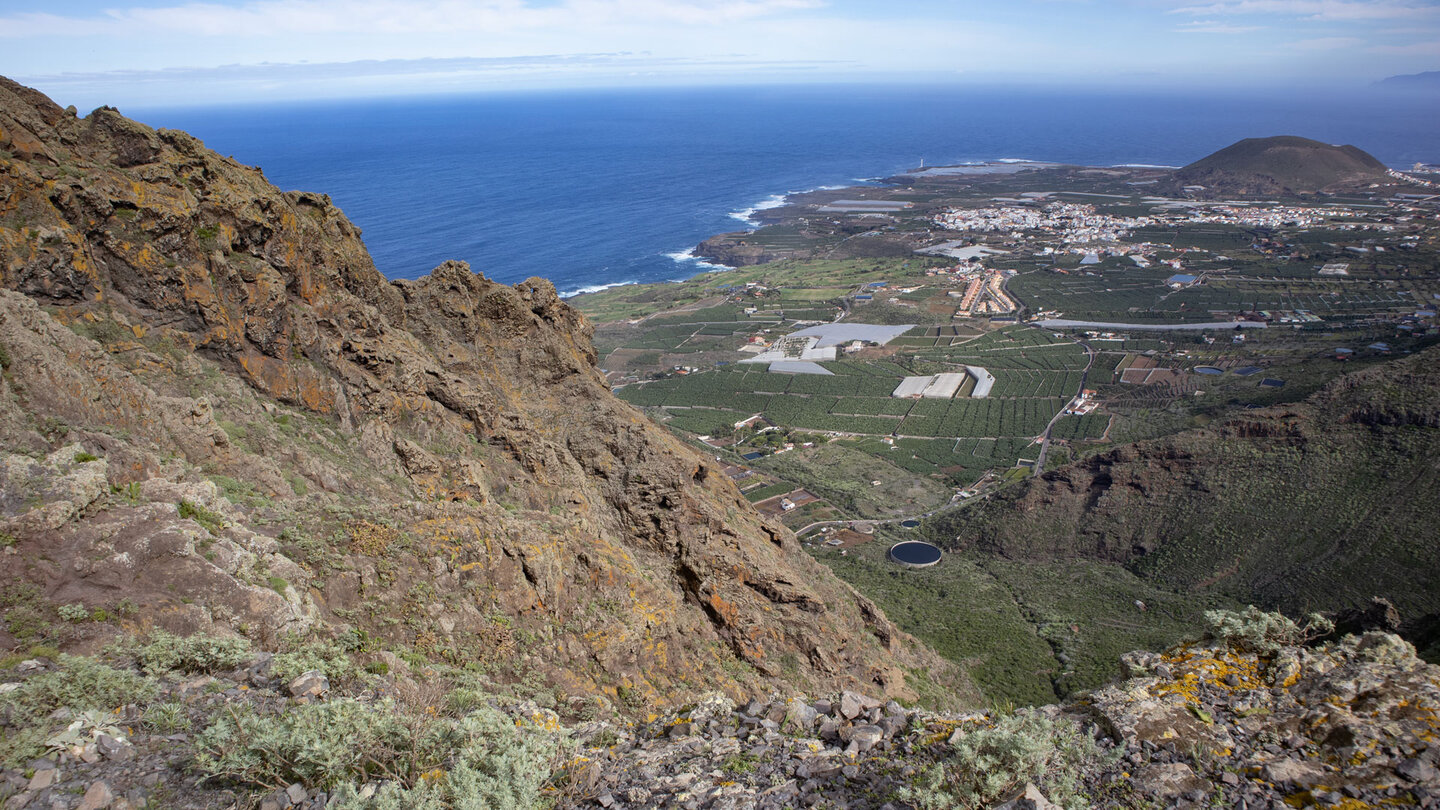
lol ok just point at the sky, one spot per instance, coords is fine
(148, 53)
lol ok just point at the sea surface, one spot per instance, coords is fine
(597, 188)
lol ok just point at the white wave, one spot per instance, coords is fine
(747, 215)
(689, 257)
(593, 288)
(1016, 160)
(1142, 166)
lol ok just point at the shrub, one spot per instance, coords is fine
(26, 621)
(482, 760)
(83, 457)
(167, 718)
(79, 684)
(212, 522)
(73, 613)
(4, 358)
(198, 653)
(986, 764)
(1261, 632)
(372, 539)
(329, 657)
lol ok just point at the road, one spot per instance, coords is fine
(1045, 437)
(1060, 323)
(850, 524)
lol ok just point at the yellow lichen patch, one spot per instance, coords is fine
(1215, 668)
(1186, 686)
(941, 729)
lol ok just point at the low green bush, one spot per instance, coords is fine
(329, 657)
(482, 760)
(1263, 632)
(212, 521)
(80, 684)
(198, 653)
(167, 718)
(985, 765)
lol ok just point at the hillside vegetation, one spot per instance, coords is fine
(1319, 505)
(1283, 164)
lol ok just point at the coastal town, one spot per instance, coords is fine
(918, 354)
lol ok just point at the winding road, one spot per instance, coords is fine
(1045, 441)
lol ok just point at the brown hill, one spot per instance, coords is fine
(1284, 164)
(218, 415)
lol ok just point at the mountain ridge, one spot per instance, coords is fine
(507, 493)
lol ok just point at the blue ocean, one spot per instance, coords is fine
(597, 188)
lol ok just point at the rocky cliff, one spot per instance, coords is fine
(737, 250)
(217, 415)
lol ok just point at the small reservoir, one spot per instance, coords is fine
(915, 554)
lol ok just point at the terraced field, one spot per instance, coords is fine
(1035, 373)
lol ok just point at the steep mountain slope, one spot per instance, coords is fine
(217, 412)
(1317, 506)
(1283, 164)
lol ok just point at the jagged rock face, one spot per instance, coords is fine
(172, 311)
(1353, 720)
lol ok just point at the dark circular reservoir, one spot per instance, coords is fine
(909, 524)
(1208, 370)
(915, 554)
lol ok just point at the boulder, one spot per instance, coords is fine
(311, 684)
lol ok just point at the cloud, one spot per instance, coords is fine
(1326, 43)
(1324, 10)
(1428, 48)
(279, 17)
(1213, 27)
(472, 66)
(277, 81)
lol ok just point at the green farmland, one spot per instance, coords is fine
(957, 439)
